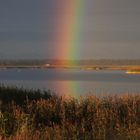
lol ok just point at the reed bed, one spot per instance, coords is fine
(36, 115)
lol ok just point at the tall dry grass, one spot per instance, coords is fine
(56, 118)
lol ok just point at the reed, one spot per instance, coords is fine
(43, 116)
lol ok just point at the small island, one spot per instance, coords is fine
(133, 71)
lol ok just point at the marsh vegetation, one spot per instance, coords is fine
(37, 115)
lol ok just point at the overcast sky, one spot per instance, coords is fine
(110, 29)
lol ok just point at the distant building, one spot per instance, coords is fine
(47, 65)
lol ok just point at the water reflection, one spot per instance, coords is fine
(73, 82)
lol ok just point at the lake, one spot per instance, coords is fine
(72, 82)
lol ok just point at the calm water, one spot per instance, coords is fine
(73, 82)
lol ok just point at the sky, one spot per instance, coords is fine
(30, 29)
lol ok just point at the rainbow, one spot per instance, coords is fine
(68, 31)
(69, 34)
(69, 22)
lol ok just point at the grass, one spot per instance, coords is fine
(36, 115)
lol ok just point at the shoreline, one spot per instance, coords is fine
(129, 72)
(130, 69)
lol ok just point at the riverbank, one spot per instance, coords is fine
(137, 71)
(32, 115)
(82, 67)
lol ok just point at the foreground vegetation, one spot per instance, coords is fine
(36, 115)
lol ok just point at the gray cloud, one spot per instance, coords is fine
(108, 28)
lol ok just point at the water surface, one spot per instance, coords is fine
(72, 82)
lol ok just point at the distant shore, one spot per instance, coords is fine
(133, 71)
(129, 68)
